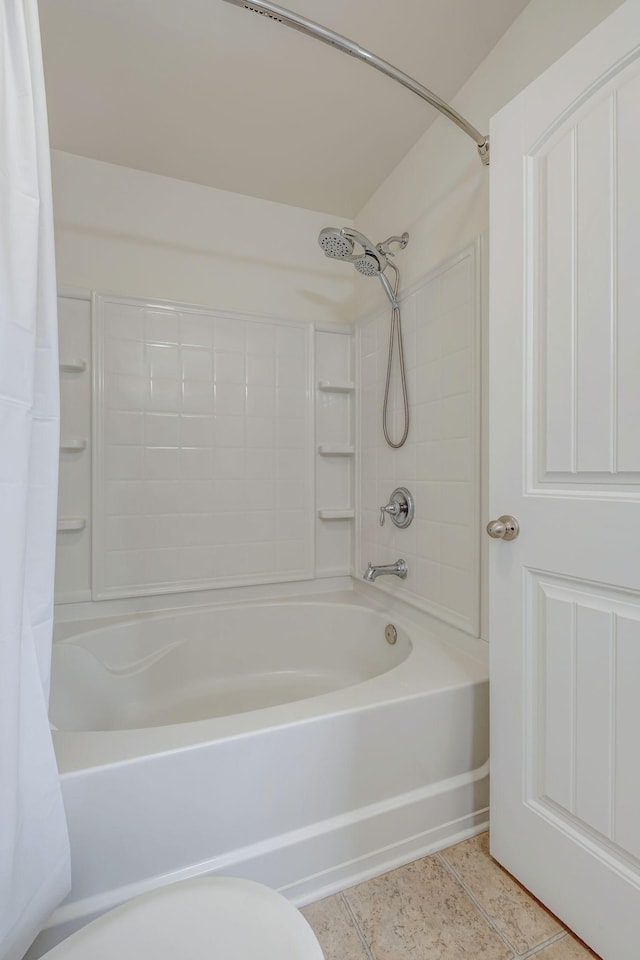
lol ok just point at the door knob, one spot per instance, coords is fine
(504, 528)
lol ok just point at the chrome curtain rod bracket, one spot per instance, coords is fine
(312, 29)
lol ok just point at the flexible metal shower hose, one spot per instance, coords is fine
(395, 331)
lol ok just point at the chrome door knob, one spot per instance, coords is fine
(504, 528)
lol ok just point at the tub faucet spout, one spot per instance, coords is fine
(397, 569)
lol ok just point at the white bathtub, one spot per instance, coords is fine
(337, 755)
(185, 666)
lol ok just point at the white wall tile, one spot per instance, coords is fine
(127, 356)
(291, 525)
(164, 396)
(161, 429)
(261, 559)
(230, 463)
(260, 339)
(261, 431)
(196, 364)
(124, 498)
(124, 321)
(290, 433)
(163, 360)
(291, 402)
(290, 555)
(261, 464)
(261, 400)
(125, 462)
(196, 331)
(261, 370)
(229, 336)
(123, 426)
(290, 495)
(291, 342)
(160, 463)
(161, 326)
(206, 447)
(230, 368)
(126, 393)
(229, 398)
(230, 432)
(196, 431)
(260, 494)
(196, 463)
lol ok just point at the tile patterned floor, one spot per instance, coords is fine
(458, 904)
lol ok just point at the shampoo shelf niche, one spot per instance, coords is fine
(67, 524)
(72, 444)
(330, 386)
(336, 450)
(73, 365)
(336, 514)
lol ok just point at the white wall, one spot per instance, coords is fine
(440, 194)
(124, 231)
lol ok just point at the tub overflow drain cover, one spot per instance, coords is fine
(390, 633)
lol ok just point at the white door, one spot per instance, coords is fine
(565, 461)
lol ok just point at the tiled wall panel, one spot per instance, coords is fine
(203, 449)
(439, 463)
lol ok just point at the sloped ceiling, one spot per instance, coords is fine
(204, 91)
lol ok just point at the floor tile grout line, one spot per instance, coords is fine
(532, 951)
(359, 931)
(477, 904)
(543, 946)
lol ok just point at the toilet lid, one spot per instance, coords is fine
(210, 918)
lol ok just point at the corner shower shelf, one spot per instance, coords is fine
(329, 386)
(336, 450)
(70, 444)
(67, 524)
(73, 365)
(336, 514)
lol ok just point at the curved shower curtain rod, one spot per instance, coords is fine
(290, 19)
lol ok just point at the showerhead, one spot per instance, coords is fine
(369, 265)
(335, 244)
(339, 244)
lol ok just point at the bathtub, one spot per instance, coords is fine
(287, 742)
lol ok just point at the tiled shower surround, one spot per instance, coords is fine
(204, 430)
(204, 449)
(439, 463)
(213, 465)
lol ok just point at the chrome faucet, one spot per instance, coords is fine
(397, 569)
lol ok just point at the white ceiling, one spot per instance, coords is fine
(204, 91)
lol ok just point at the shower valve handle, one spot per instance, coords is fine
(400, 508)
(393, 509)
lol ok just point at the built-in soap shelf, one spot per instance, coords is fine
(336, 450)
(73, 365)
(336, 514)
(73, 444)
(331, 386)
(68, 524)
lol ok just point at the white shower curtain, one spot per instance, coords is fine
(34, 847)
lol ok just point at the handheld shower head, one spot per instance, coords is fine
(369, 265)
(339, 245)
